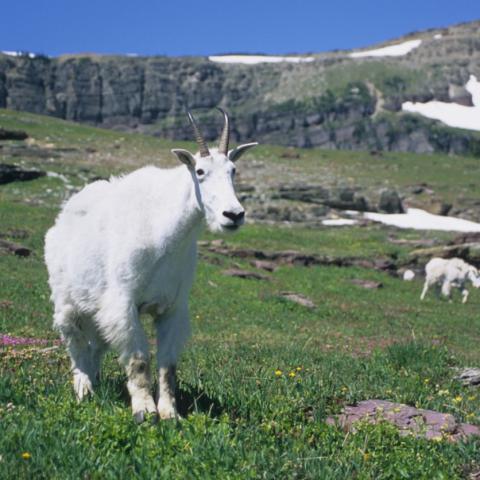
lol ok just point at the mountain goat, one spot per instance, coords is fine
(448, 273)
(127, 246)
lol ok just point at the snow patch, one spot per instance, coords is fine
(421, 220)
(254, 59)
(338, 222)
(391, 51)
(452, 114)
(438, 36)
(18, 54)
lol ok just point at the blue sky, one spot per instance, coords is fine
(204, 27)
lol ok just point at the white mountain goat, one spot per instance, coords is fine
(128, 246)
(448, 273)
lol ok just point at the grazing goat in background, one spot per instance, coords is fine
(127, 246)
(448, 273)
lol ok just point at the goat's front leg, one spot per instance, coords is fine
(173, 329)
(464, 295)
(446, 289)
(120, 325)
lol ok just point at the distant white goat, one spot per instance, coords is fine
(128, 246)
(448, 273)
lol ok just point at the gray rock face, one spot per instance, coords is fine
(390, 201)
(303, 105)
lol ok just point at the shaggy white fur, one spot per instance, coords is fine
(128, 246)
(450, 273)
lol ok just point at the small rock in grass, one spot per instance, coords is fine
(370, 284)
(13, 173)
(236, 272)
(12, 134)
(408, 275)
(469, 376)
(427, 424)
(14, 248)
(390, 201)
(298, 298)
(264, 265)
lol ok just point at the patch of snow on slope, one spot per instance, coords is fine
(18, 54)
(452, 114)
(391, 51)
(254, 59)
(421, 220)
(338, 222)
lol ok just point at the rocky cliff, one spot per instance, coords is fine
(334, 101)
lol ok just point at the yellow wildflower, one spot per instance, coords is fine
(366, 456)
(291, 374)
(427, 380)
(26, 455)
(471, 397)
(278, 373)
(458, 399)
(443, 392)
(299, 369)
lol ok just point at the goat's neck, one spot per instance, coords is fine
(192, 217)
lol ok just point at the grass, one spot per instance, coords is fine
(260, 374)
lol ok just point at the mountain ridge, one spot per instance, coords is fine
(334, 101)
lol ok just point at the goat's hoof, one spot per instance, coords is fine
(169, 415)
(155, 417)
(82, 385)
(139, 417)
(142, 416)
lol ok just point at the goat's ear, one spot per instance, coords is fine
(185, 157)
(237, 152)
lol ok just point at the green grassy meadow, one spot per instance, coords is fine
(260, 374)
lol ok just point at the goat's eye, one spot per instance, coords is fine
(233, 171)
(200, 172)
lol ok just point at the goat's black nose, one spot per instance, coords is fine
(236, 217)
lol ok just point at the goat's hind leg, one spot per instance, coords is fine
(75, 333)
(425, 290)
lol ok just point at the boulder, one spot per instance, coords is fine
(390, 201)
(459, 94)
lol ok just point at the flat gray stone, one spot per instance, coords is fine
(298, 298)
(419, 422)
(469, 376)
